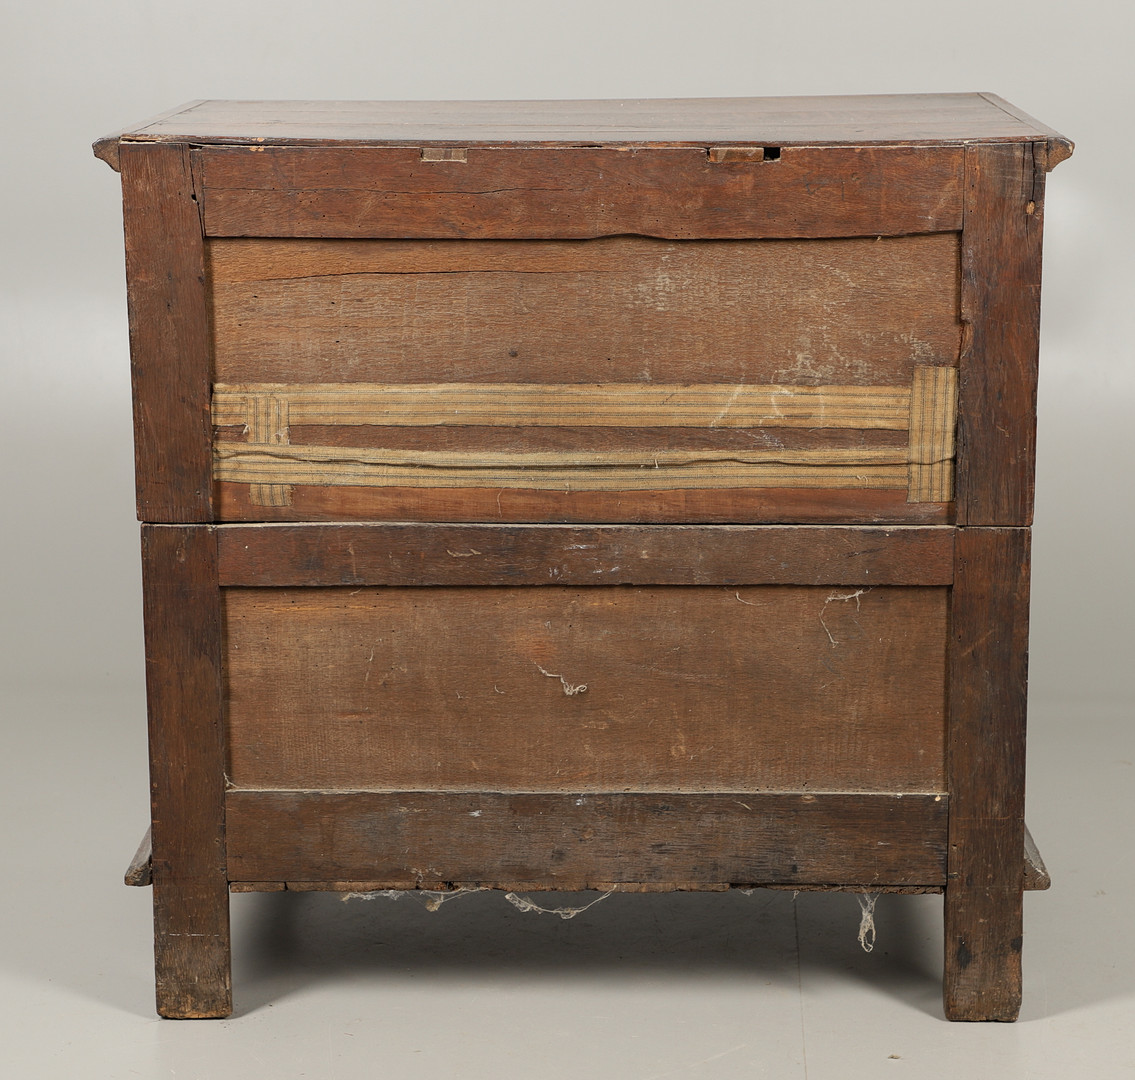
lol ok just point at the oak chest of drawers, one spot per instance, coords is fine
(586, 495)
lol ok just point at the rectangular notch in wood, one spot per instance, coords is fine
(732, 154)
(445, 153)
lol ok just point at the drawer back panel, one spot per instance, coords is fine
(654, 688)
(622, 378)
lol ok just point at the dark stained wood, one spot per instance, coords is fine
(187, 767)
(1001, 304)
(513, 193)
(898, 890)
(986, 762)
(169, 334)
(427, 554)
(616, 309)
(724, 505)
(648, 688)
(575, 842)
(140, 870)
(1036, 873)
(539, 886)
(704, 122)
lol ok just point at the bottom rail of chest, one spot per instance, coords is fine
(140, 873)
(409, 840)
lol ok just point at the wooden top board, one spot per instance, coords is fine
(912, 119)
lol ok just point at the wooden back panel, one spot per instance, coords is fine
(405, 379)
(656, 688)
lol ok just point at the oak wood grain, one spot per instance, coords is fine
(187, 768)
(723, 505)
(576, 842)
(1001, 246)
(576, 192)
(988, 671)
(169, 334)
(617, 309)
(431, 554)
(438, 896)
(561, 688)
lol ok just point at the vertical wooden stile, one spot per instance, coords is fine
(187, 768)
(169, 334)
(985, 761)
(1000, 297)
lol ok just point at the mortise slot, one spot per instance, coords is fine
(733, 154)
(445, 153)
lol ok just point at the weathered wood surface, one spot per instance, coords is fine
(576, 192)
(497, 438)
(572, 842)
(988, 670)
(187, 768)
(618, 309)
(725, 505)
(1001, 247)
(748, 122)
(430, 554)
(140, 870)
(848, 313)
(169, 334)
(371, 886)
(741, 688)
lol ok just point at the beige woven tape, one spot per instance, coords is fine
(570, 405)
(558, 471)
(271, 465)
(933, 420)
(267, 423)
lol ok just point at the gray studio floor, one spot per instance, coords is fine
(640, 987)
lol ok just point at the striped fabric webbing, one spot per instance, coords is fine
(271, 465)
(568, 405)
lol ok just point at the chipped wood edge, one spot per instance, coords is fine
(1037, 878)
(140, 872)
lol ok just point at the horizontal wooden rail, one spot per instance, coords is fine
(431, 840)
(576, 192)
(429, 554)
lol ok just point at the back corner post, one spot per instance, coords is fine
(182, 610)
(987, 686)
